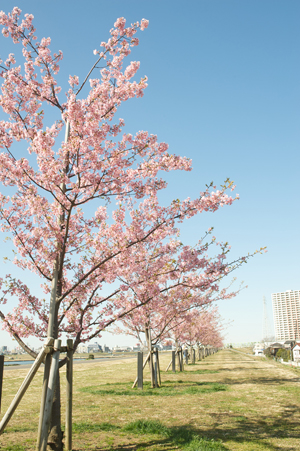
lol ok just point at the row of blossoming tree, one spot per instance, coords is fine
(95, 268)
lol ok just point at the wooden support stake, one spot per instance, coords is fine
(43, 400)
(193, 355)
(173, 362)
(151, 359)
(22, 390)
(169, 365)
(186, 356)
(177, 356)
(140, 368)
(145, 363)
(50, 394)
(1, 376)
(158, 369)
(69, 395)
(155, 369)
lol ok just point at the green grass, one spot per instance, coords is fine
(170, 388)
(201, 444)
(18, 429)
(248, 406)
(240, 418)
(184, 437)
(13, 448)
(145, 427)
(202, 371)
(87, 426)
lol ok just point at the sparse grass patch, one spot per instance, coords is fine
(240, 418)
(86, 426)
(201, 371)
(181, 436)
(18, 429)
(145, 427)
(201, 444)
(13, 448)
(169, 388)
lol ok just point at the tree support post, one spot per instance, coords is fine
(178, 358)
(150, 357)
(145, 363)
(169, 365)
(22, 390)
(173, 362)
(50, 394)
(156, 368)
(69, 395)
(140, 368)
(1, 376)
(181, 359)
(43, 400)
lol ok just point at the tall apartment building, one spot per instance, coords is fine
(286, 311)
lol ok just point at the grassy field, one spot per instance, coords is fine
(229, 401)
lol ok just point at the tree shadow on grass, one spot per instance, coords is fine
(242, 430)
(241, 368)
(263, 380)
(169, 438)
(168, 388)
(259, 430)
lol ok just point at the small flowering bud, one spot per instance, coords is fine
(144, 24)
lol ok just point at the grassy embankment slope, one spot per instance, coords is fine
(229, 401)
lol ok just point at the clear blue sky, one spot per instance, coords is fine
(224, 91)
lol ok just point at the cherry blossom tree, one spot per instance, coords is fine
(186, 278)
(200, 327)
(190, 289)
(77, 254)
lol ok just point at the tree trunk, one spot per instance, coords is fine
(55, 436)
(55, 433)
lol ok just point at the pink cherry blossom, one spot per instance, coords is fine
(84, 210)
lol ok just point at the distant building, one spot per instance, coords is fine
(82, 348)
(274, 348)
(288, 344)
(121, 349)
(106, 349)
(258, 349)
(89, 348)
(296, 352)
(286, 311)
(94, 347)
